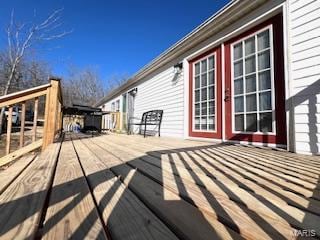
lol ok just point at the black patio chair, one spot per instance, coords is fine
(150, 118)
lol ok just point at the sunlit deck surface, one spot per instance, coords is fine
(128, 187)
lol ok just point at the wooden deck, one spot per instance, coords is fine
(128, 187)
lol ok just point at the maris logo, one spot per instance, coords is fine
(305, 233)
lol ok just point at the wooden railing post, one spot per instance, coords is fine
(35, 119)
(51, 112)
(9, 127)
(22, 125)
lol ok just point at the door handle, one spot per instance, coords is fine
(227, 95)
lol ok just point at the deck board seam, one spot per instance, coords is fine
(107, 232)
(38, 234)
(184, 198)
(174, 230)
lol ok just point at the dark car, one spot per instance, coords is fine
(29, 115)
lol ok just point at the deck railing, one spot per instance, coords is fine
(52, 118)
(111, 121)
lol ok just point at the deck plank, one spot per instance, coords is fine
(167, 205)
(221, 207)
(124, 214)
(71, 213)
(7, 176)
(197, 162)
(21, 204)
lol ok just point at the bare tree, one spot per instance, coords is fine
(23, 37)
(83, 86)
(115, 81)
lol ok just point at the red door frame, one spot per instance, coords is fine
(279, 83)
(218, 111)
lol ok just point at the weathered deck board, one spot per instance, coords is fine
(21, 204)
(71, 213)
(123, 213)
(168, 206)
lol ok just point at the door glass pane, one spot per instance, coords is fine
(204, 66)
(204, 94)
(250, 46)
(211, 123)
(211, 63)
(197, 82)
(251, 83)
(197, 96)
(197, 68)
(265, 122)
(265, 101)
(263, 40)
(211, 77)
(251, 122)
(238, 69)
(238, 86)
(204, 80)
(238, 104)
(239, 122)
(211, 93)
(250, 64)
(204, 108)
(197, 109)
(264, 80)
(237, 51)
(264, 60)
(197, 123)
(204, 123)
(251, 103)
(211, 107)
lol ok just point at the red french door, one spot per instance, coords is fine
(254, 85)
(205, 96)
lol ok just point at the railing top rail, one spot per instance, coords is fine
(17, 95)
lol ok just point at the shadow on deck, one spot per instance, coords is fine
(127, 187)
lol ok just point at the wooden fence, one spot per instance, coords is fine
(52, 118)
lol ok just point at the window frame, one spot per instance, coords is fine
(272, 72)
(214, 54)
(117, 105)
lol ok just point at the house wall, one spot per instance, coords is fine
(163, 91)
(302, 62)
(304, 32)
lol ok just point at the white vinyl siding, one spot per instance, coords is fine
(163, 91)
(304, 30)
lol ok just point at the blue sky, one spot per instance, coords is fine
(115, 36)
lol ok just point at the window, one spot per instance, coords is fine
(113, 106)
(204, 94)
(117, 105)
(253, 83)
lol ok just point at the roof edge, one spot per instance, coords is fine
(148, 68)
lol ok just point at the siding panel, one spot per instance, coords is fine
(304, 22)
(162, 92)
